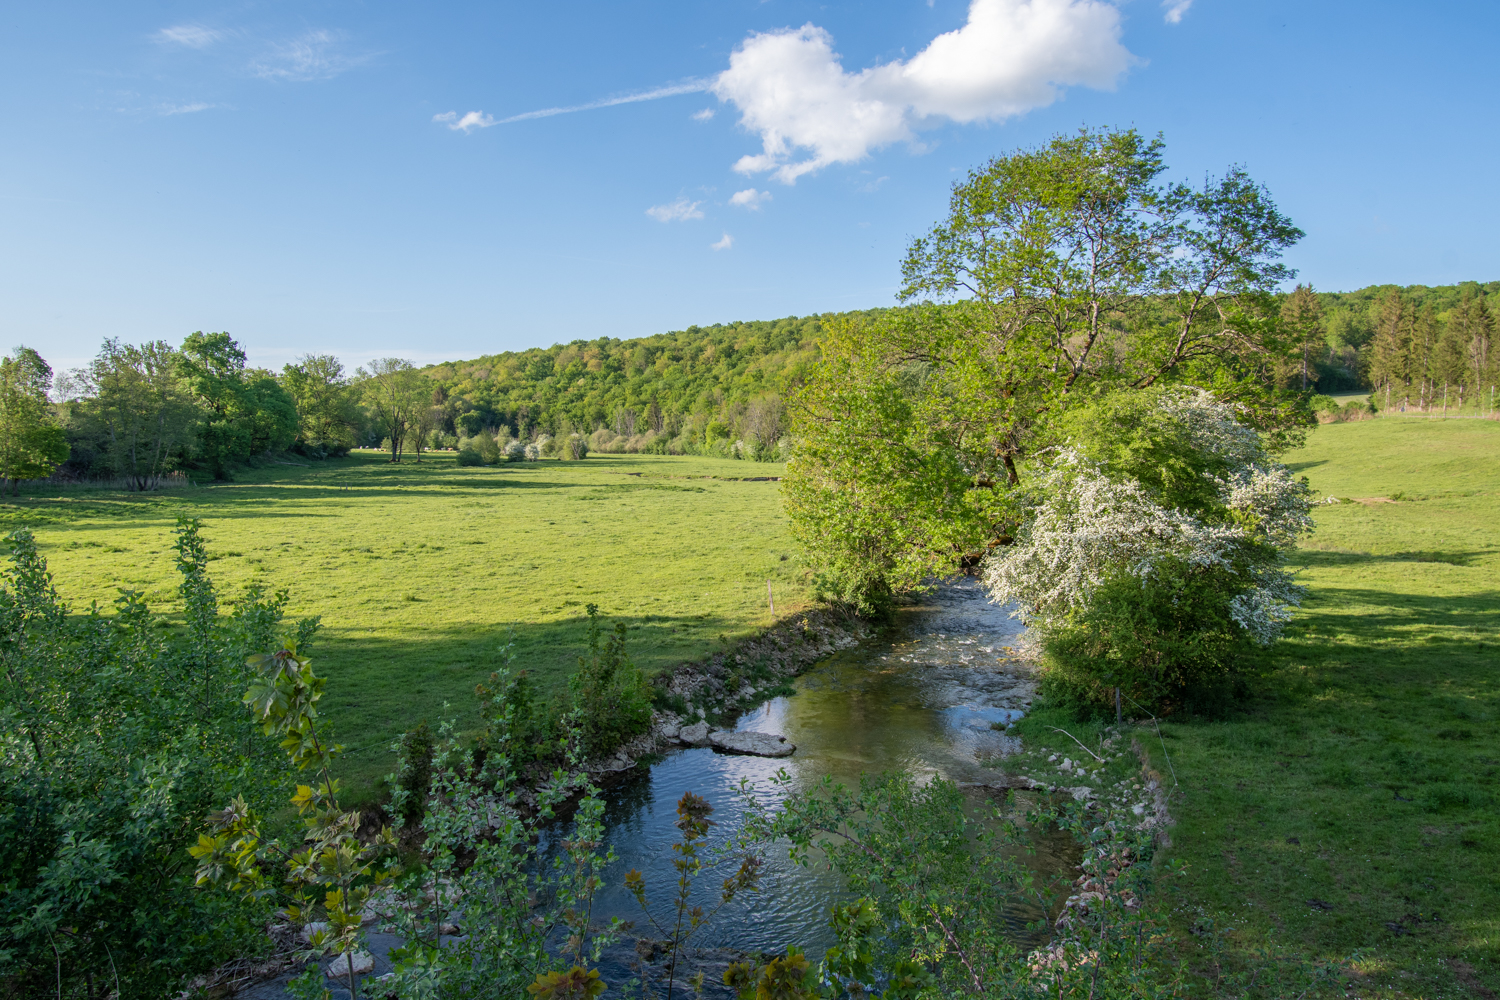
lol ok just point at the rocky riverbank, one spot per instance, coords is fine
(707, 695)
(1125, 820)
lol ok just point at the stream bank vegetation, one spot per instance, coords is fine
(1086, 401)
(1083, 403)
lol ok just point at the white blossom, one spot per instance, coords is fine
(1213, 429)
(1087, 526)
(1268, 501)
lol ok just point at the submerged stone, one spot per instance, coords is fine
(753, 744)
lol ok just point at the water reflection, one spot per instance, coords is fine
(921, 700)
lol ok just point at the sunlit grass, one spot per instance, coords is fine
(419, 570)
(1351, 806)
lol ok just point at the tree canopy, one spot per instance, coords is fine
(1061, 275)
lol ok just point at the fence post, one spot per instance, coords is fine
(771, 598)
(1117, 707)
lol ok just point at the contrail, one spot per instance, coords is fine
(672, 90)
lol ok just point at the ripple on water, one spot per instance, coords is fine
(920, 699)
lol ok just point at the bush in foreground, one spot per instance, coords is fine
(1149, 557)
(116, 738)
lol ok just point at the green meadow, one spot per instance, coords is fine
(1349, 812)
(420, 570)
(1344, 813)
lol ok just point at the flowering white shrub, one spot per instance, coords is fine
(533, 452)
(515, 451)
(1086, 526)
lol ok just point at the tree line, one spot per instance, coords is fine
(139, 413)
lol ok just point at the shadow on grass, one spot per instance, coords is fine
(378, 687)
(1339, 557)
(1380, 612)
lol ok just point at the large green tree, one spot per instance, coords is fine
(325, 400)
(246, 412)
(394, 391)
(32, 444)
(137, 406)
(1060, 275)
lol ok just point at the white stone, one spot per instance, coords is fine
(308, 930)
(695, 735)
(753, 744)
(668, 731)
(364, 962)
(1081, 793)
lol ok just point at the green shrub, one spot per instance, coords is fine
(117, 737)
(468, 456)
(1158, 638)
(610, 694)
(516, 724)
(413, 774)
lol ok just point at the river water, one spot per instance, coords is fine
(920, 698)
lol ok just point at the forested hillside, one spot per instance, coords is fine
(703, 388)
(1409, 343)
(693, 388)
(141, 412)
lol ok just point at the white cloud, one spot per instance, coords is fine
(182, 109)
(466, 124)
(1175, 9)
(314, 55)
(702, 116)
(724, 243)
(1012, 56)
(678, 211)
(750, 198)
(194, 36)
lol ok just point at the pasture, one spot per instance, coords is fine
(419, 570)
(1349, 812)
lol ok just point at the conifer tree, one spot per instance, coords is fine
(1303, 316)
(1390, 350)
(1425, 335)
(1481, 335)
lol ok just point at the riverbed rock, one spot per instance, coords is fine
(695, 735)
(309, 929)
(620, 762)
(364, 962)
(1006, 782)
(753, 744)
(668, 731)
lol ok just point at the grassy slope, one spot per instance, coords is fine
(418, 570)
(1366, 777)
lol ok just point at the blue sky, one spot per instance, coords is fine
(347, 177)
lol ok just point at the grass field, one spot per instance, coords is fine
(1346, 813)
(1349, 812)
(419, 569)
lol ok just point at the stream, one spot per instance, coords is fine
(920, 698)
